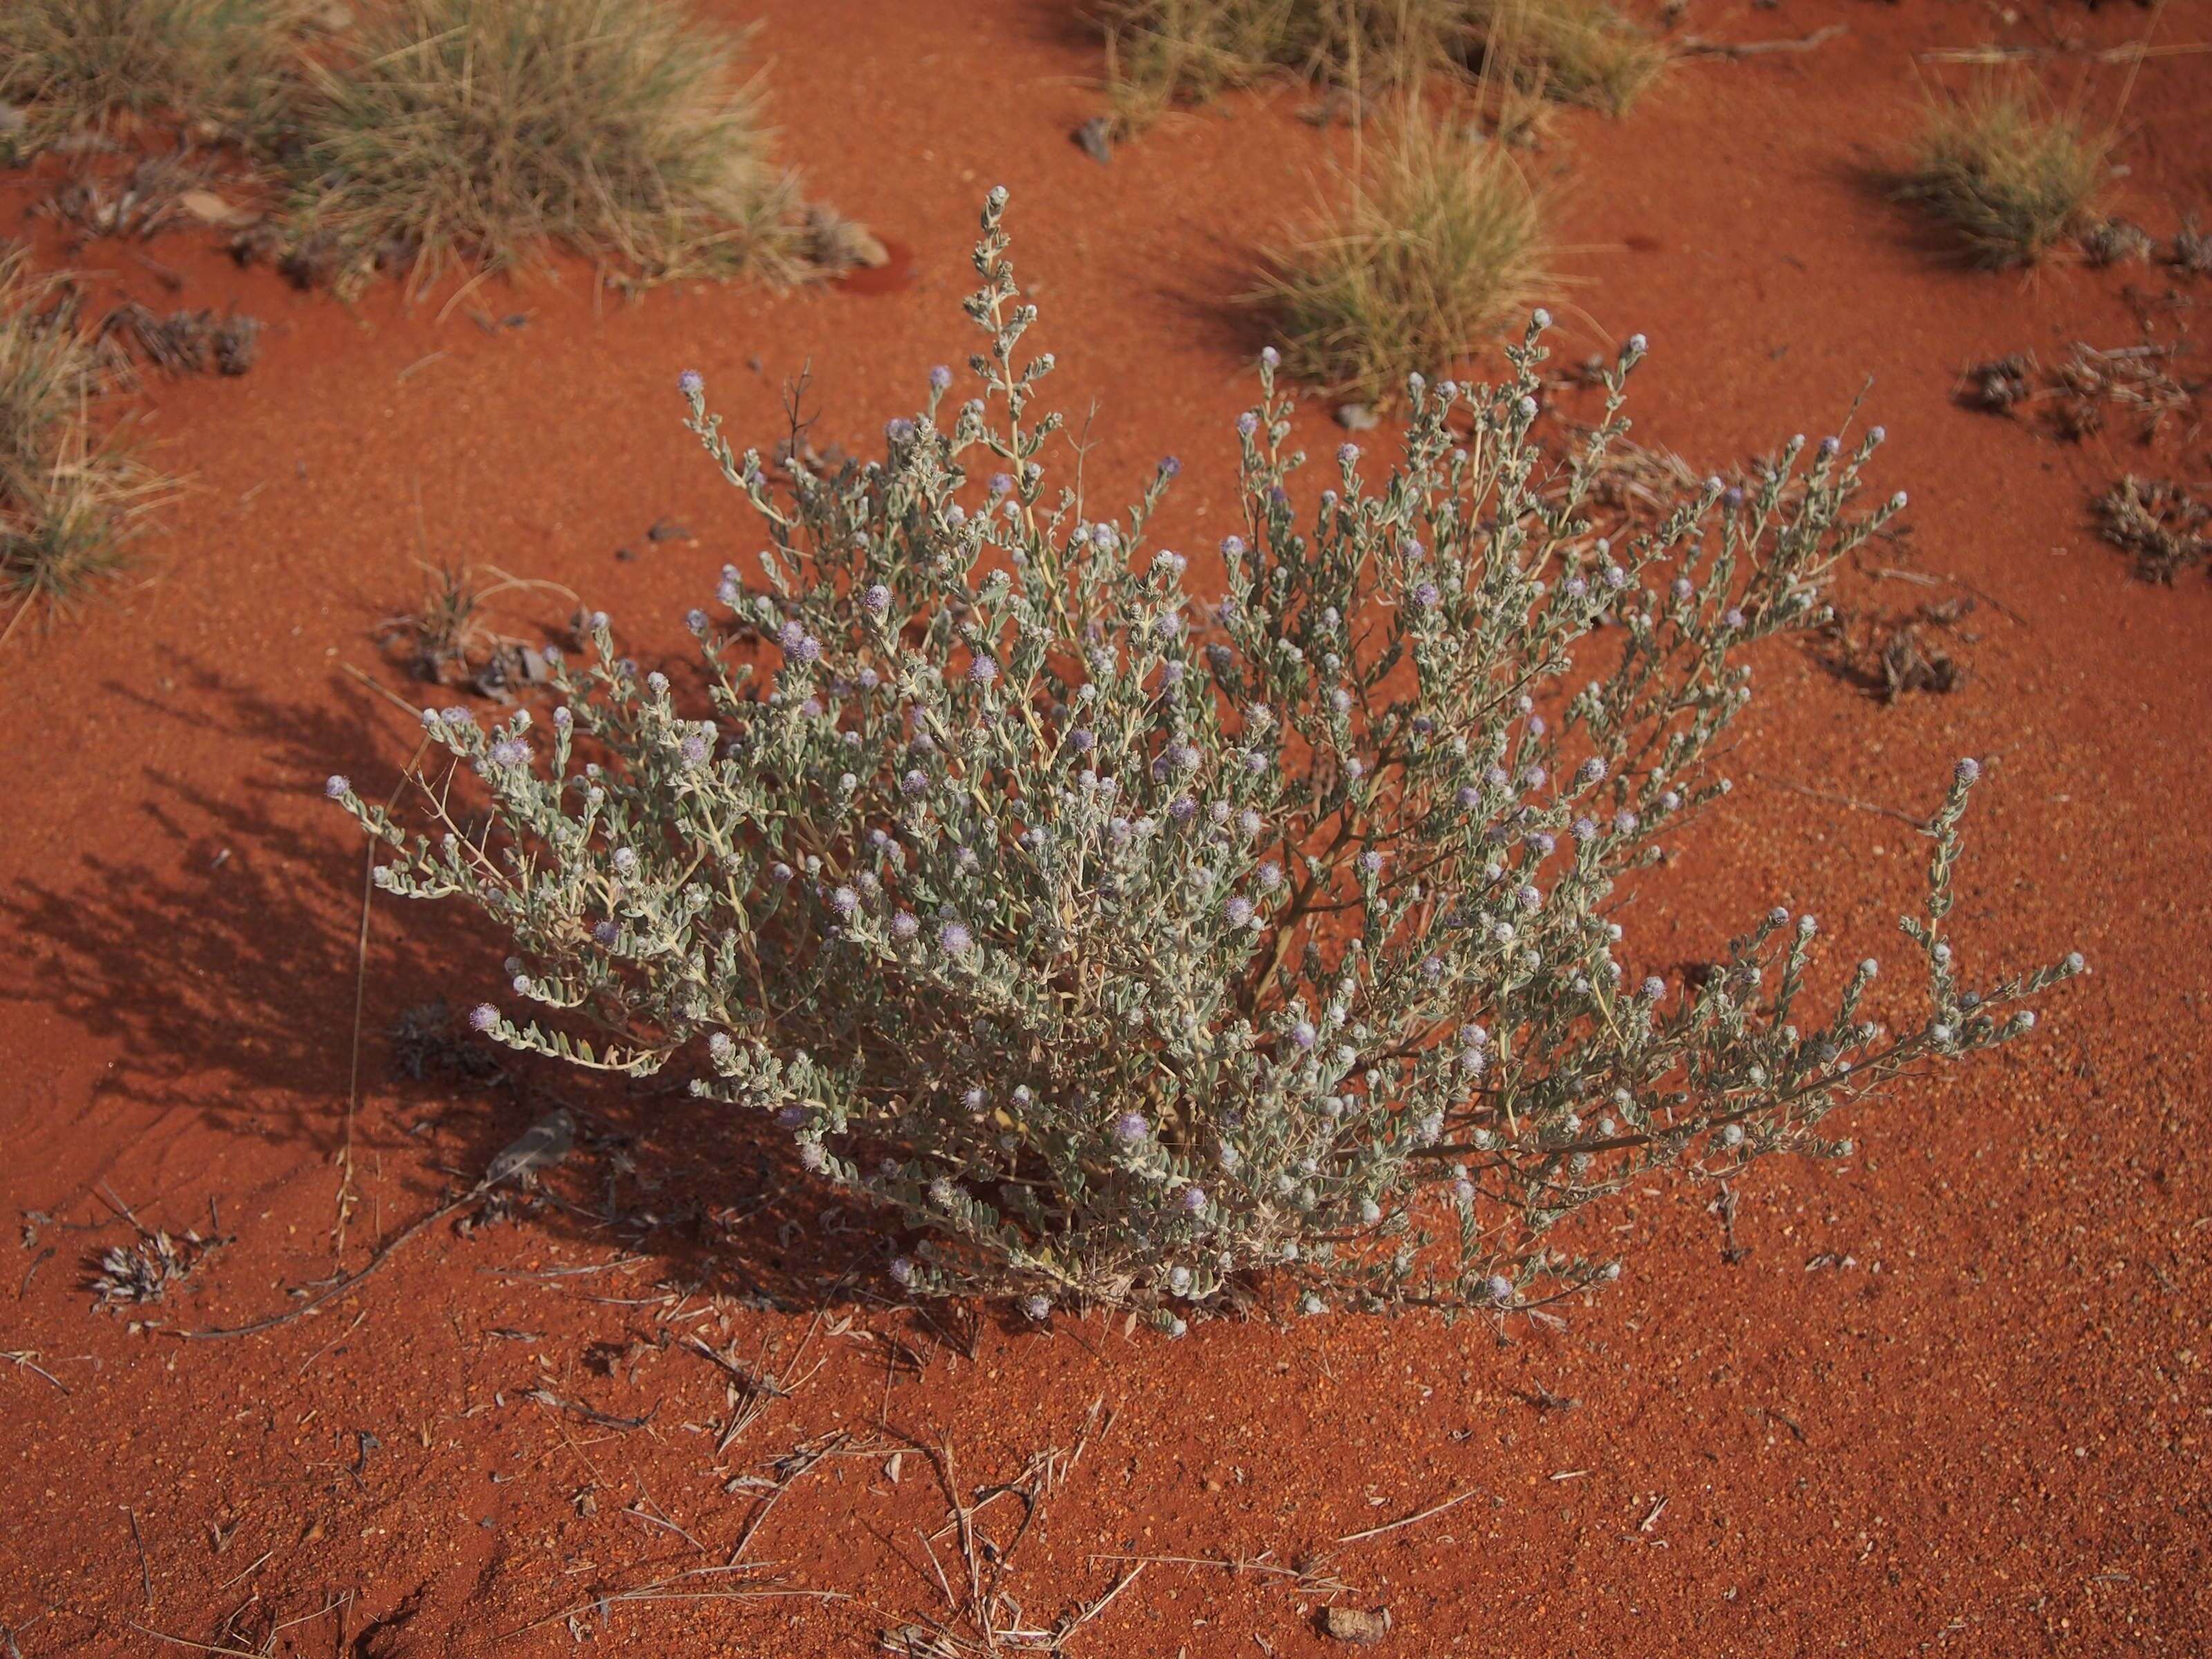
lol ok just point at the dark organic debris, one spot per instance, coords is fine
(2000, 383)
(140, 1273)
(185, 342)
(2116, 241)
(1894, 656)
(2192, 251)
(161, 191)
(2075, 394)
(426, 1042)
(2166, 526)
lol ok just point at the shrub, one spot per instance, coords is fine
(76, 64)
(1439, 242)
(482, 131)
(70, 501)
(1165, 52)
(2011, 177)
(1123, 948)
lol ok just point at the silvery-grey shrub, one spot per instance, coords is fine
(1121, 946)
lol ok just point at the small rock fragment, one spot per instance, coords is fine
(1095, 137)
(1356, 417)
(1362, 1626)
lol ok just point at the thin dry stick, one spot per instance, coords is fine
(1698, 46)
(1411, 1520)
(28, 1360)
(1830, 795)
(346, 1195)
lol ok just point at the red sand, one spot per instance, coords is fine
(1952, 1397)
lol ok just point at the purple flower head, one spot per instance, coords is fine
(1238, 910)
(790, 634)
(1540, 843)
(939, 378)
(690, 383)
(1270, 358)
(1371, 862)
(1592, 770)
(1830, 447)
(1624, 821)
(904, 927)
(1732, 616)
(779, 872)
(1653, 988)
(1584, 829)
(902, 1270)
(1130, 1127)
(915, 782)
(954, 939)
(1002, 483)
(1529, 898)
(1083, 739)
(1469, 797)
(898, 429)
(1170, 466)
(1182, 808)
(1247, 424)
(1271, 875)
(1533, 777)
(1426, 595)
(606, 931)
(695, 750)
(1193, 1200)
(1346, 454)
(1968, 770)
(482, 1018)
(1501, 1290)
(1432, 968)
(1304, 1034)
(337, 786)
(1036, 1308)
(1250, 822)
(844, 901)
(1233, 547)
(982, 671)
(877, 599)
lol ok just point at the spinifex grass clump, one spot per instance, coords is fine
(69, 500)
(1576, 51)
(484, 130)
(1123, 947)
(74, 65)
(1169, 52)
(2012, 176)
(1434, 245)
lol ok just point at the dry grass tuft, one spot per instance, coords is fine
(74, 66)
(2010, 174)
(482, 132)
(1573, 51)
(1165, 53)
(1438, 241)
(70, 501)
